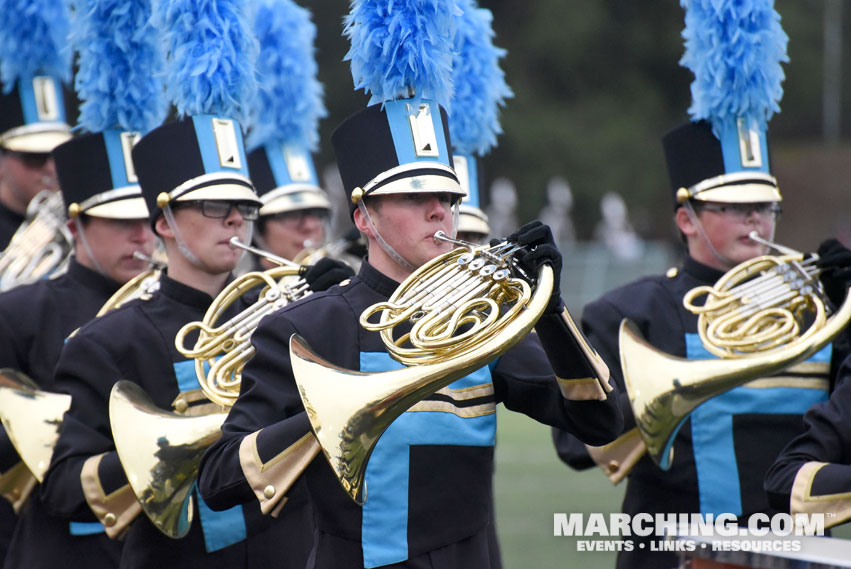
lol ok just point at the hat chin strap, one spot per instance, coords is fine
(81, 234)
(178, 237)
(401, 261)
(697, 223)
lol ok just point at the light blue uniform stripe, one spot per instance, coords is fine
(86, 528)
(712, 430)
(385, 510)
(221, 529)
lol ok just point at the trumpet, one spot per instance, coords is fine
(144, 434)
(41, 246)
(466, 307)
(761, 317)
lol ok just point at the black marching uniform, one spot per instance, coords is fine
(813, 473)
(35, 320)
(723, 450)
(428, 482)
(137, 342)
(10, 221)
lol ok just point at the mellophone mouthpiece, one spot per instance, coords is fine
(237, 244)
(158, 265)
(755, 236)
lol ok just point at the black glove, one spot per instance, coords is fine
(326, 273)
(835, 264)
(539, 247)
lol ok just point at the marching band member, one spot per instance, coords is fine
(109, 225)
(480, 91)
(428, 498)
(33, 109)
(32, 123)
(108, 222)
(283, 133)
(723, 190)
(194, 178)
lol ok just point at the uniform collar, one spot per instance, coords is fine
(377, 280)
(14, 218)
(184, 294)
(92, 279)
(700, 271)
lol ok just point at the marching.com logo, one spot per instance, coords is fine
(741, 535)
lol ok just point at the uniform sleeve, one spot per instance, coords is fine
(600, 322)
(266, 440)
(85, 481)
(813, 473)
(525, 382)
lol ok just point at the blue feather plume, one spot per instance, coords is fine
(734, 48)
(120, 66)
(211, 54)
(401, 48)
(33, 36)
(480, 88)
(288, 105)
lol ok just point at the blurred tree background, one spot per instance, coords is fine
(597, 83)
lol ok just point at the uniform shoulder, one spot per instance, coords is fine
(116, 322)
(642, 287)
(20, 298)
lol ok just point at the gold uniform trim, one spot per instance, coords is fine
(270, 481)
(464, 394)
(115, 511)
(837, 507)
(447, 407)
(582, 389)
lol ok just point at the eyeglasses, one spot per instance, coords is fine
(742, 211)
(298, 217)
(34, 160)
(218, 209)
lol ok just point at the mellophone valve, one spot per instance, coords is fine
(222, 350)
(472, 288)
(761, 304)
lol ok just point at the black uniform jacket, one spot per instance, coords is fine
(813, 473)
(86, 482)
(9, 224)
(34, 322)
(723, 450)
(428, 481)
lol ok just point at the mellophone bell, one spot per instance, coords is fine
(763, 316)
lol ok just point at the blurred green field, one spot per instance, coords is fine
(531, 484)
